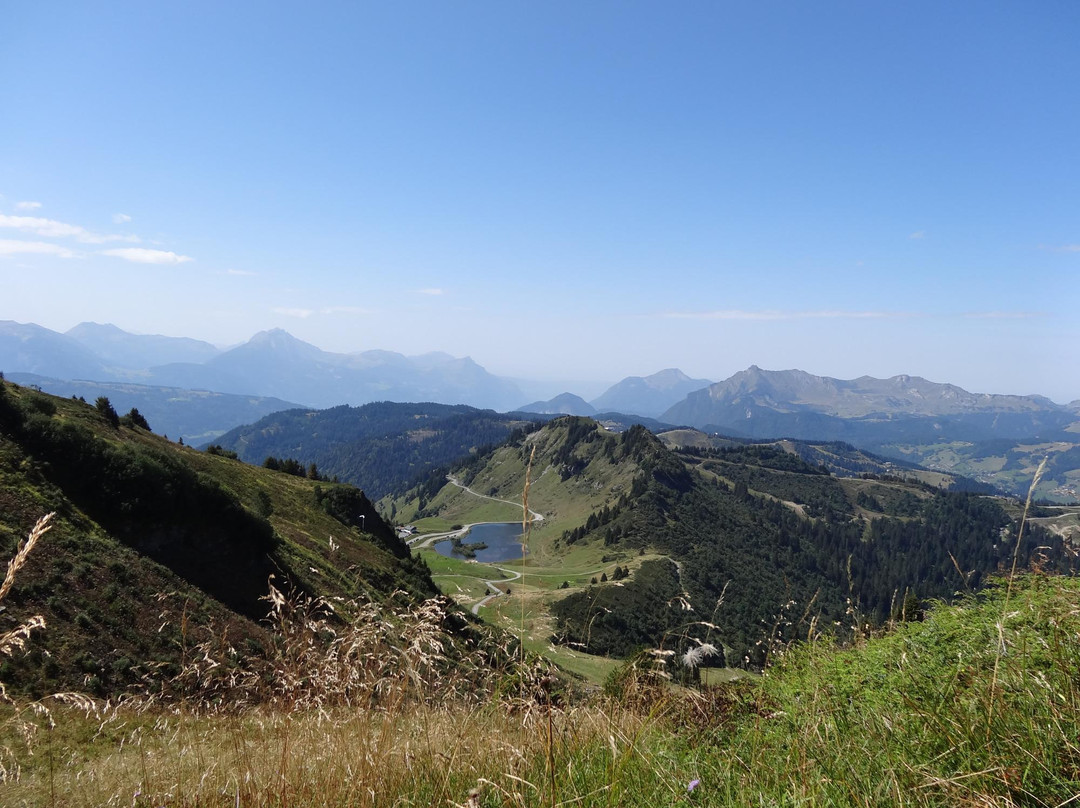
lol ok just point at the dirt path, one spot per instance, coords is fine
(537, 517)
(492, 585)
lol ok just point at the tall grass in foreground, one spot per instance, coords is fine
(902, 720)
(26, 719)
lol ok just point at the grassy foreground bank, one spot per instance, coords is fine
(978, 705)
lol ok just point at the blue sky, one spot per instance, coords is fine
(559, 190)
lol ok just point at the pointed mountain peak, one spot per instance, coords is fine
(648, 395)
(274, 335)
(668, 377)
(100, 329)
(279, 339)
(562, 404)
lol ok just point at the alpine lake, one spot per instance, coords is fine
(488, 542)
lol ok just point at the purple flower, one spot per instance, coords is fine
(692, 785)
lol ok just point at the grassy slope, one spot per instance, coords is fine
(977, 706)
(101, 593)
(564, 503)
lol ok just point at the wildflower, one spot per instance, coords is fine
(692, 785)
(695, 656)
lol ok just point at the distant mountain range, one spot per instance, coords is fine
(29, 348)
(995, 439)
(271, 364)
(117, 347)
(796, 404)
(635, 395)
(274, 363)
(901, 416)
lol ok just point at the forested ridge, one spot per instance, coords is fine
(381, 447)
(762, 542)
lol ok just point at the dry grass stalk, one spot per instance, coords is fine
(41, 527)
(26, 717)
(15, 639)
(1001, 649)
(328, 655)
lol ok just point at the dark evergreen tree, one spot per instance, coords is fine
(105, 407)
(134, 418)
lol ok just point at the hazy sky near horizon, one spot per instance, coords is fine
(558, 189)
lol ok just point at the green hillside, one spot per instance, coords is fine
(154, 541)
(741, 547)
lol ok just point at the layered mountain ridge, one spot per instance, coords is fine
(797, 390)
(648, 395)
(794, 403)
(906, 417)
(997, 439)
(272, 364)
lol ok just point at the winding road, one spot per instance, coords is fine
(429, 539)
(536, 515)
(491, 585)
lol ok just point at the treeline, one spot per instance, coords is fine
(568, 458)
(33, 400)
(596, 521)
(286, 465)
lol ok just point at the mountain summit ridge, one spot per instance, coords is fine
(648, 395)
(797, 390)
(272, 363)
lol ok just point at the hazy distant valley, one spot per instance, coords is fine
(195, 391)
